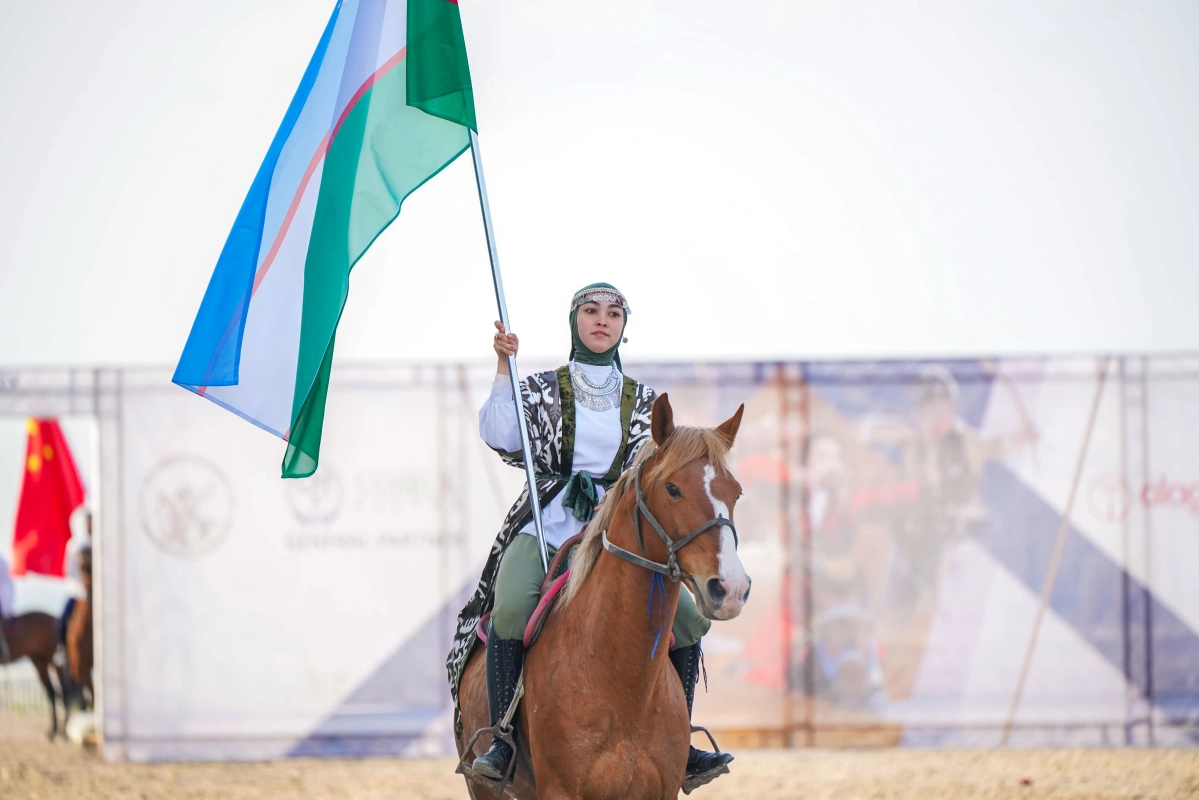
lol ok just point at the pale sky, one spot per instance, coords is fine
(762, 179)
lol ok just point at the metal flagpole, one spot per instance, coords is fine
(526, 449)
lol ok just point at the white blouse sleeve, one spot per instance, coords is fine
(497, 418)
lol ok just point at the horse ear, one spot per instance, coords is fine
(728, 428)
(661, 419)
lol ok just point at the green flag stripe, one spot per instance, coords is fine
(383, 152)
(438, 72)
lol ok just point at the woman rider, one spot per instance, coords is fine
(586, 422)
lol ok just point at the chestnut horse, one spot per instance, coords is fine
(34, 635)
(604, 715)
(80, 656)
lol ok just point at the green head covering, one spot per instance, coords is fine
(596, 292)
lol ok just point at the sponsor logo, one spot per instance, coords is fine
(1111, 497)
(1165, 493)
(8, 382)
(316, 500)
(186, 506)
(369, 510)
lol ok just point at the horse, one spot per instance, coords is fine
(604, 714)
(80, 655)
(34, 636)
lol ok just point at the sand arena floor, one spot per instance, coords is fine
(33, 769)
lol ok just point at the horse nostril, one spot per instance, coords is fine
(716, 590)
(749, 584)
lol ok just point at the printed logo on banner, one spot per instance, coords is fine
(365, 509)
(316, 500)
(186, 506)
(8, 382)
(1111, 497)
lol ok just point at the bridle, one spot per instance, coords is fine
(671, 568)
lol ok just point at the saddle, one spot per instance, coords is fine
(551, 586)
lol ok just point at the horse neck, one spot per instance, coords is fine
(613, 606)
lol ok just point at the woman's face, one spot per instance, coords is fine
(600, 325)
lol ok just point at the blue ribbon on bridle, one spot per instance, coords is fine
(657, 584)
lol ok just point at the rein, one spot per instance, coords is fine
(671, 568)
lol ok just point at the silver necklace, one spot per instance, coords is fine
(596, 397)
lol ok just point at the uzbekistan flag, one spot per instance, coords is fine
(385, 104)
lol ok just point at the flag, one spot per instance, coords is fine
(50, 492)
(385, 104)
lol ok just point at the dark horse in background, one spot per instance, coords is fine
(77, 635)
(34, 636)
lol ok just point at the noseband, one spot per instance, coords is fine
(671, 568)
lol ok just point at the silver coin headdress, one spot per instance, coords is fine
(599, 295)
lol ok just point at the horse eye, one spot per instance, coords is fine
(673, 490)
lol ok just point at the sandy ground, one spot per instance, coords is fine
(33, 769)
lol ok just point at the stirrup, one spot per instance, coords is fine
(505, 731)
(465, 764)
(693, 782)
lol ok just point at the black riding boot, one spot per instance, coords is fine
(504, 659)
(686, 661)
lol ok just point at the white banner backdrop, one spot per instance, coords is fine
(244, 617)
(249, 617)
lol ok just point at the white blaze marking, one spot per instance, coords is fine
(731, 569)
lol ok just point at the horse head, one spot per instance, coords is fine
(690, 492)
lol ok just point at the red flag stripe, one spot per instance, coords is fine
(317, 157)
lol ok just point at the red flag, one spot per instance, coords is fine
(50, 492)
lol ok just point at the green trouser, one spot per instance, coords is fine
(518, 588)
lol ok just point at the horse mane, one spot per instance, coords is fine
(684, 445)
